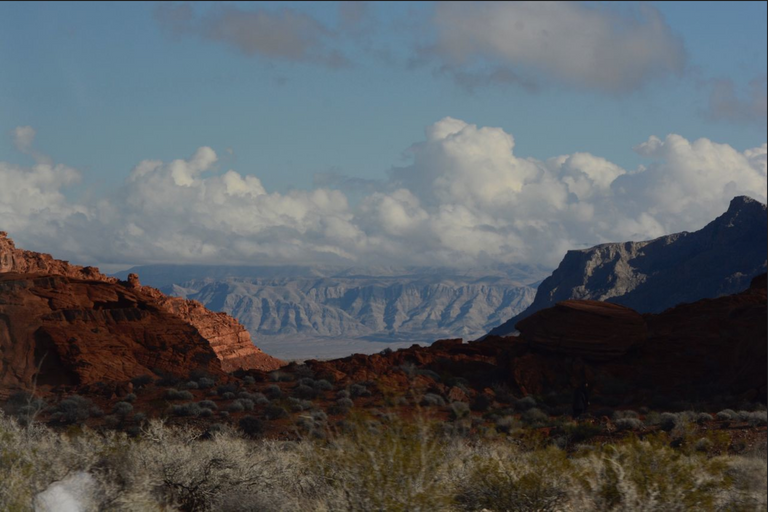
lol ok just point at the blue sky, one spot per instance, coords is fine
(106, 86)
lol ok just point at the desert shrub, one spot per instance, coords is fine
(649, 475)
(248, 404)
(273, 392)
(208, 404)
(402, 467)
(516, 481)
(278, 376)
(356, 390)
(139, 417)
(668, 421)
(534, 417)
(304, 391)
(577, 433)
(73, 409)
(508, 424)
(323, 385)
(726, 415)
(275, 412)
(503, 393)
(617, 415)
(175, 394)
(345, 402)
(130, 397)
(703, 418)
(192, 385)
(703, 445)
(236, 406)
(459, 410)
(757, 418)
(629, 424)
(226, 388)
(122, 409)
(432, 400)
(228, 395)
(188, 409)
(251, 426)
(249, 380)
(205, 383)
(24, 406)
(141, 381)
(342, 394)
(205, 413)
(337, 409)
(249, 396)
(409, 369)
(525, 403)
(297, 404)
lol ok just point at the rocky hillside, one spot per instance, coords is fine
(79, 326)
(365, 304)
(654, 275)
(690, 352)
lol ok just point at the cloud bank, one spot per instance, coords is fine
(465, 199)
(586, 46)
(284, 35)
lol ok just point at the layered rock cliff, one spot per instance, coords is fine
(96, 327)
(306, 311)
(654, 275)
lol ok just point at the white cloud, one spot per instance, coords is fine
(594, 47)
(465, 199)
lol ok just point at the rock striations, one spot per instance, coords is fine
(654, 275)
(80, 326)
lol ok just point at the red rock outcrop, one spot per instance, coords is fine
(586, 328)
(78, 332)
(691, 352)
(226, 337)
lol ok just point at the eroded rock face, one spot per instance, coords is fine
(651, 276)
(585, 328)
(79, 332)
(57, 291)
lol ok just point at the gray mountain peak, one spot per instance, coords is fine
(651, 276)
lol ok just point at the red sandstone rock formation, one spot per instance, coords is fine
(38, 291)
(79, 332)
(691, 352)
(586, 328)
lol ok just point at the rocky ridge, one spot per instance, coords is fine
(654, 275)
(366, 307)
(99, 327)
(690, 352)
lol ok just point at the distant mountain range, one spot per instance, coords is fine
(318, 306)
(654, 275)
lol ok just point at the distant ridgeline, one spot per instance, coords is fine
(655, 275)
(373, 304)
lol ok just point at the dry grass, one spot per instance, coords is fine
(367, 465)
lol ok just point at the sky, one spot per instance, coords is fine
(355, 133)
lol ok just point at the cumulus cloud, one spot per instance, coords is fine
(285, 34)
(726, 104)
(587, 46)
(465, 199)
